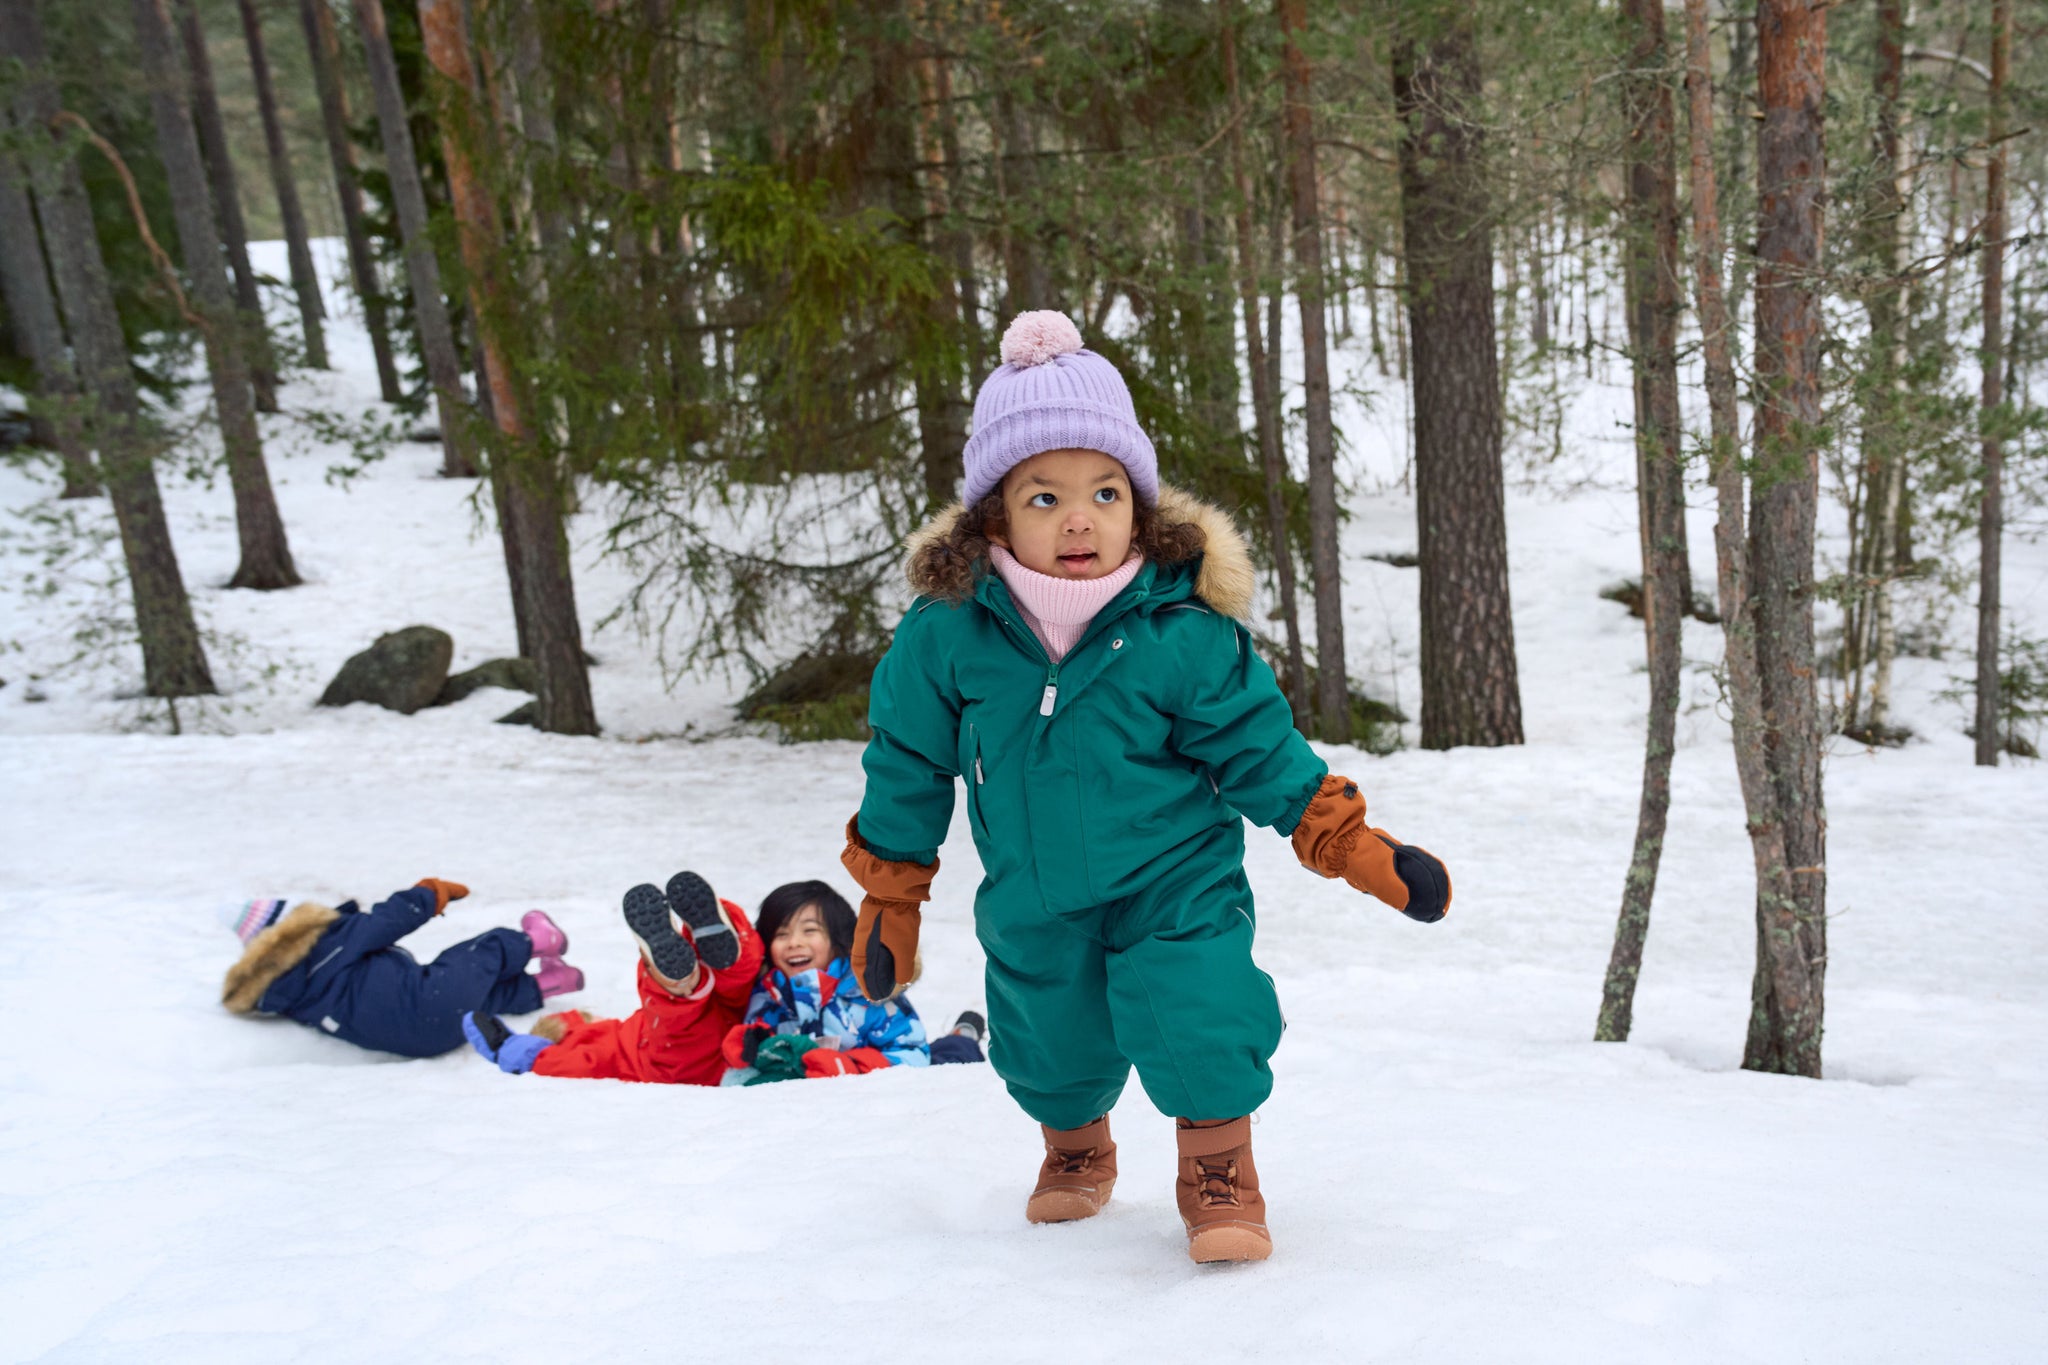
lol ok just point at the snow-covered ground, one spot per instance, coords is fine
(1455, 1173)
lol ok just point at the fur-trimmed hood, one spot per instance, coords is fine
(1224, 577)
(274, 952)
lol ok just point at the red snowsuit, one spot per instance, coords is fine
(671, 1039)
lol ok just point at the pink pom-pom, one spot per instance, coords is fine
(1035, 338)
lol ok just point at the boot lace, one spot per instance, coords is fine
(1069, 1163)
(1218, 1181)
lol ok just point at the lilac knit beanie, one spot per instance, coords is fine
(1051, 394)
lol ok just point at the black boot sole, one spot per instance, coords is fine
(696, 905)
(668, 952)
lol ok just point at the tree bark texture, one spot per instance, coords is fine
(1650, 284)
(266, 557)
(55, 418)
(526, 483)
(409, 200)
(1265, 402)
(891, 112)
(1738, 623)
(1333, 690)
(324, 50)
(173, 659)
(305, 280)
(1891, 220)
(1991, 358)
(1024, 268)
(1471, 693)
(1786, 1005)
(230, 230)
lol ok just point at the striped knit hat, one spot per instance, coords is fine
(251, 918)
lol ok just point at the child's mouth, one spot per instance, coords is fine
(1078, 561)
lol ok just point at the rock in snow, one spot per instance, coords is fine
(402, 671)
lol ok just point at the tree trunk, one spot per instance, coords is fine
(1738, 622)
(1991, 357)
(525, 481)
(891, 108)
(1471, 693)
(55, 417)
(430, 310)
(1650, 283)
(1787, 1000)
(960, 240)
(266, 557)
(305, 280)
(1265, 403)
(1333, 692)
(1023, 253)
(173, 659)
(325, 51)
(204, 112)
(1888, 244)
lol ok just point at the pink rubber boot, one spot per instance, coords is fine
(557, 977)
(548, 938)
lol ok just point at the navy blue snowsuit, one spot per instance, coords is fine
(358, 985)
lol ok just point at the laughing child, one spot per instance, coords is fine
(726, 1001)
(1075, 653)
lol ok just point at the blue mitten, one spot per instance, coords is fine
(513, 1052)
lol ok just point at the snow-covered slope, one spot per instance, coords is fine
(1455, 1173)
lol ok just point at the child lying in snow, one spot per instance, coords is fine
(340, 969)
(718, 1006)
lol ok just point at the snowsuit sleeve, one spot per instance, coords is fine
(912, 759)
(386, 922)
(1232, 718)
(893, 1033)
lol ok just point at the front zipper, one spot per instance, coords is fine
(1052, 691)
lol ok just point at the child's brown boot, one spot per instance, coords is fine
(1219, 1192)
(1078, 1174)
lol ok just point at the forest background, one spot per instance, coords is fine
(737, 268)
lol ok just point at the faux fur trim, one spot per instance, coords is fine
(1225, 580)
(274, 952)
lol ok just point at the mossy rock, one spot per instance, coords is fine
(514, 675)
(401, 672)
(817, 695)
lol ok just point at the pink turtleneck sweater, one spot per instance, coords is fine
(1058, 610)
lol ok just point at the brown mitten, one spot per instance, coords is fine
(1334, 840)
(443, 891)
(885, 936)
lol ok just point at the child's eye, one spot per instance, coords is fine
(1105, 495)
(1043, 500)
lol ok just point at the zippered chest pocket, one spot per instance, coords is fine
(977, 778)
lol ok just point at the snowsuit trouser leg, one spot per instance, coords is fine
(1192, 1010)
(487, 972)
(1051, 1038)
(1165, 981)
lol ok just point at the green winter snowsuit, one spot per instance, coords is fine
(1105, 795)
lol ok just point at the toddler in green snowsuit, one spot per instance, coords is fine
(1075, 654)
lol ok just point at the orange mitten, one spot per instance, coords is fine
(1334, 840)
(885, 936)
(443, 891)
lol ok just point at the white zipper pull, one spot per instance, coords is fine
(978, 778)
(1052, 693)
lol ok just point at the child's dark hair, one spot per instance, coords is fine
(786, 900)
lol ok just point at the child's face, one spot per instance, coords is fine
(1069, 514)
(801, 943)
